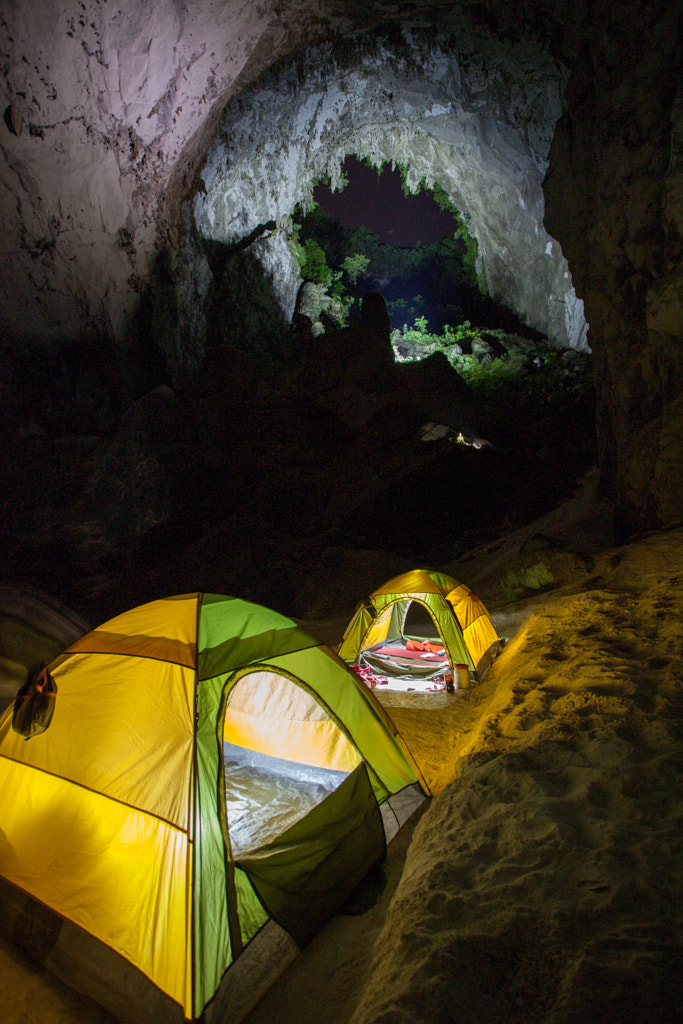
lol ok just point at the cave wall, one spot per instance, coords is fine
(107, 110)
(110, 109)
(614, 196)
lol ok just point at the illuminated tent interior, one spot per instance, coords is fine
(155, 712)
(415, 631)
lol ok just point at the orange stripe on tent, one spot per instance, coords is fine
(161, 648)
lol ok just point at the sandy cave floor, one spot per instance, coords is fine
(549, 859)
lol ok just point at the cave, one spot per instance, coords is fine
(130, 182)
(165, 427)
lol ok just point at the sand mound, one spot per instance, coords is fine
(543, 881)
(542, 886)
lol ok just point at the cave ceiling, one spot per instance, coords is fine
(110, 113)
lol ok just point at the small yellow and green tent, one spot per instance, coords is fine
(209, 786)
(424, 604)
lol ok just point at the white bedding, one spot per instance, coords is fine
(266, 795)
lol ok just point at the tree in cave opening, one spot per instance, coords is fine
(414, 248)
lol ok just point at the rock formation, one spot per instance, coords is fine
(614, 197)
(467, 114)
(116, 120)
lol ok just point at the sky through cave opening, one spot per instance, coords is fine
(376, 199)
(415, 249)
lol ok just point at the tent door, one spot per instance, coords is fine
(304, 875)
(302, 817)
(419, 623)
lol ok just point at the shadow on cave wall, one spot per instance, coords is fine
(119, 488)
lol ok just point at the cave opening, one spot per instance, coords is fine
(325, 405)
(317, 445)
(428, 106)
(372, 233)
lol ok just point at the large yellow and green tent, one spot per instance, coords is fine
(154, 873)
(429, 603)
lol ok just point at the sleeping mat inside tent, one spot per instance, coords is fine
(405, 664)
(266, 795)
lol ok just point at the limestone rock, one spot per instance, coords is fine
(555, 128)
(481, 130)
(613, 196)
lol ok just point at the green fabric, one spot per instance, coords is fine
(444, 582)
(355, 631)
(305, 875)
(236, 633)
(212, 946)
(252, 913)
(426, 586)
(214, 871)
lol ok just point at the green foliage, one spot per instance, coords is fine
(354, 266)
(347, 261)
(442, 199)
(418, 334)
(313, 266)
(463, 334)
(514, 583)
(314, 263)
(488, 376)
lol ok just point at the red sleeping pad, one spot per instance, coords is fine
(434, 654)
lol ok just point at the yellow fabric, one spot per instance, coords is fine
(164, 630)
(416, 581)
(102, 641)
(96, 822)
(146, 711)
(320, 744)
(479, 636)
(466, 606)
(378, 630)
(475, 621)
(277, 695)
(121, 875)
(440, 593)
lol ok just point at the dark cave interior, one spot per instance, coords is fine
(212, 445)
